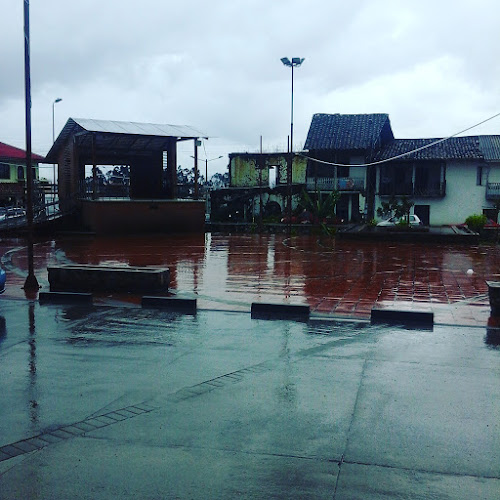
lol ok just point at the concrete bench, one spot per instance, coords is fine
(174, 304)
(64, 298)
(87, 278)
(261, 310)
(422, 318)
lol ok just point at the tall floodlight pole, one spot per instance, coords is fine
(54, 140)
(294, 63)
(31, 283)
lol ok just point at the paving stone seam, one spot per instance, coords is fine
(422, 471)
(68, 431)
(246, 452)
(219, 382)
(353, 415)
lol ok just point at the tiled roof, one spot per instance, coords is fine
(348, 132)
(8, 152)
(454, 148)
(490, 146)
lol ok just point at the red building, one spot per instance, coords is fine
(13, 174)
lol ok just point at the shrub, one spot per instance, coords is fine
(476, 222)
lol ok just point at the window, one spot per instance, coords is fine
(479, 176)
(4, 171)
(396, 179)
(20, 173)
(342, 172)
(428, 179)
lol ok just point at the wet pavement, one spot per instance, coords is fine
(341, 278)
(120, 402)
(116, 401)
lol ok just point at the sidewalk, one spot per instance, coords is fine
(119, 402)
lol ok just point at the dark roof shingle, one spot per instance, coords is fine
(457, 148)
(490, 146)
(348, 132)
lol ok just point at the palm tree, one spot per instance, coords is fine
(321, 207)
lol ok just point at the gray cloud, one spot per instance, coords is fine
(215, 65)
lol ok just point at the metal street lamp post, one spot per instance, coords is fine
(294, 63)
(31, 283)
(53, 140)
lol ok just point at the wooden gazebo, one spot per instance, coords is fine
(146, 148)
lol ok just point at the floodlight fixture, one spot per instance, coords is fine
(295, 62)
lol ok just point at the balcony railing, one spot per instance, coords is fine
(437, 190)
(493, 190)
(398, 190)
(330, 183)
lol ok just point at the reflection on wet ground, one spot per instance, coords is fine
(342, 278)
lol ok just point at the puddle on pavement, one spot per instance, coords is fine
(332, 277)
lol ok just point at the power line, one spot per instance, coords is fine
(402, 154)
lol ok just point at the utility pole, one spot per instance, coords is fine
(31, 283)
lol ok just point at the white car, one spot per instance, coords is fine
(394, 221)
(12, 213)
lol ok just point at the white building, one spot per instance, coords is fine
(446, 180)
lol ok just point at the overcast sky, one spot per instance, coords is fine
(433, 66)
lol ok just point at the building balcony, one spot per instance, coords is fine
(330, 184)
(493, 191)
(388, 189)
(437, 190)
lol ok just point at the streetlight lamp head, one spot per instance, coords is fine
(296, 61)
(58, 100)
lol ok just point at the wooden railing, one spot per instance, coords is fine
(330, 183)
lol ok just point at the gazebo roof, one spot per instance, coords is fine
(120, 139)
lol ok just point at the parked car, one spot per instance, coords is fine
(394, 221)
(12, 213)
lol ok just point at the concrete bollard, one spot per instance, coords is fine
(494, 296)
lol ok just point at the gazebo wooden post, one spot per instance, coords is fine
(196, 172)
(172, 167)
(94, 169)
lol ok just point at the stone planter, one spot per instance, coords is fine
(494, 296)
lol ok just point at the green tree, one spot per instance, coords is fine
(321, 207)
(476, 222)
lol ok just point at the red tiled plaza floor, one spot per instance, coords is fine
(334, 277)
